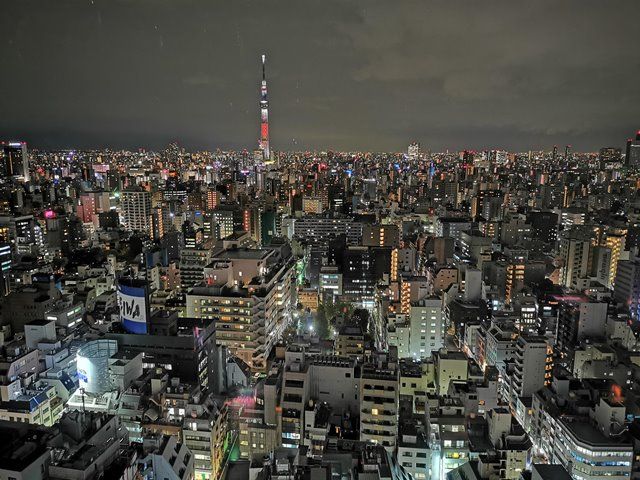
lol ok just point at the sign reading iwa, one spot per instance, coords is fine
(133, 308)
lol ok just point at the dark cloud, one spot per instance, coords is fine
(343, 74)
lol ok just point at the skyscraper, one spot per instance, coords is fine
(632, 157)
(413, 152)
(136, 210)
(264, 115)
(14, 160)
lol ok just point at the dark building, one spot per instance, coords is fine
(358, 279)
(14, 161)
(317, 257)
(544, 226)
(58, 232)
(487, 203)
(579, 318)
(192, 234)
(108, 219)
(185, 346)
(362, 268)
(26, 452)
(75, 234)
(632, 157)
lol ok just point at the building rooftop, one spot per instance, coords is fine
(243, 254)
(550, 472)
(22, 445)
(587, 433)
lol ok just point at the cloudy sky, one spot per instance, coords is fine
(343, 74)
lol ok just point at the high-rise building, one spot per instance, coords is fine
(544, 226)
(627, 286)
(212, 199)
(136, 210)
(360, 275)
(450, 366)
(20, 231)
(320, 229)
(427, 327)
(574, 253)
(15, 160)
(204, 436)
(413, 152)
(192, 265)
(224, 224)
(514, 276)
(249, 303)
(614, 239)
(379, 402)
(632, 157)
(532, 367)
(601, 265)
(579, 318)
(412, 289)
(487, 203)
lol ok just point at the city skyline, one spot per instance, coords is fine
(354, 78)
(302, 240)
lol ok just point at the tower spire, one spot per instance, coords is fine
(264, 114)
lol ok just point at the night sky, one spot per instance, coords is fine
(353, 75)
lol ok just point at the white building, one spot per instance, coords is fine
(532, 367)
(379, 399)
(427, 327)
(167, 459)
(136, 210)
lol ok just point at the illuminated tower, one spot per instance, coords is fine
(264, 115)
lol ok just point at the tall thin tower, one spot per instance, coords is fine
(264, 115)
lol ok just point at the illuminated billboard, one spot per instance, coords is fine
(132, 301)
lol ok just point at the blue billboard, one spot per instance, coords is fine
(132, 301)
